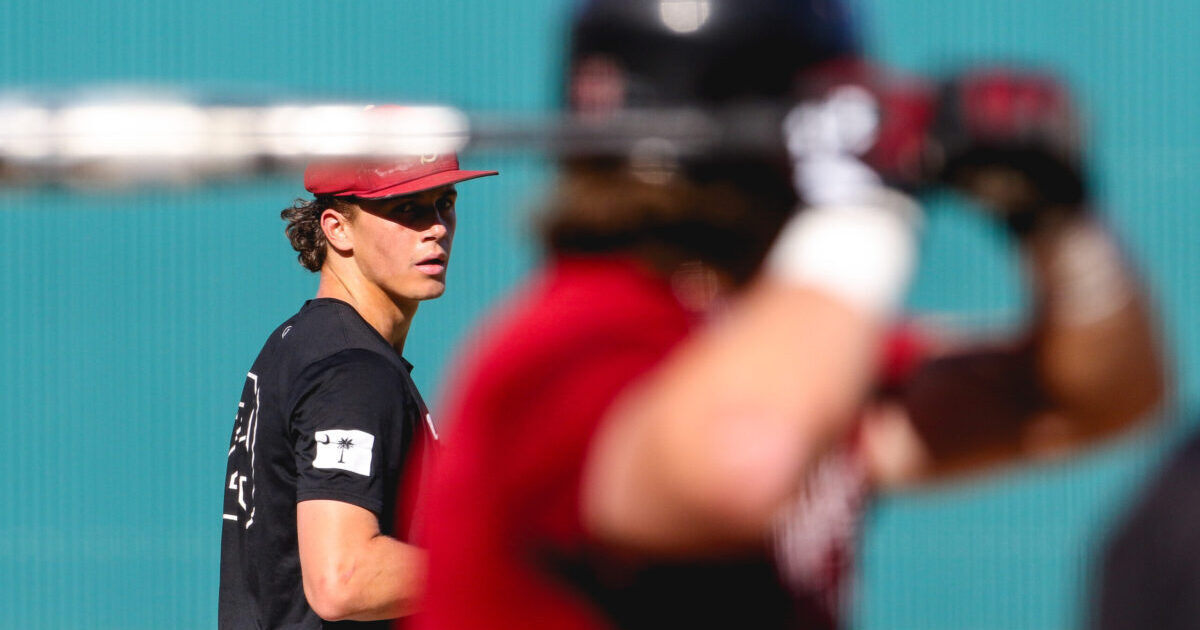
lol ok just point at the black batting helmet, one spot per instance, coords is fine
(734, 66)
(653, 53)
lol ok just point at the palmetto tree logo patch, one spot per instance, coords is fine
(344, 449)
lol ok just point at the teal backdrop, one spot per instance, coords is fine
(129, 317)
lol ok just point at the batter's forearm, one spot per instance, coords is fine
(1094, 337)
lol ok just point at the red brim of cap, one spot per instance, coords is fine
(420, 184)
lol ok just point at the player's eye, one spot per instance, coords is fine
(404, 208)
(444, 204)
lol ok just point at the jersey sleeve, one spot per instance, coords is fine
(348, 410)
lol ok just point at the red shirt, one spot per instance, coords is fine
(506, 543)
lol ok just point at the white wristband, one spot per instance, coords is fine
(862, 254)
(1088, 278)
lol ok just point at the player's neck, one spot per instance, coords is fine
(391, 318)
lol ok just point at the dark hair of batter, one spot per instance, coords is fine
(726, 221)
(304, 227)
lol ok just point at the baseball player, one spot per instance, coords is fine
(327, 448)
(678, 420)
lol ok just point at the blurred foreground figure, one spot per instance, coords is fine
(1151, 568)
(675, 424)
(328, 443)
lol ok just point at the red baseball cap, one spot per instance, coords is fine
(378, 178)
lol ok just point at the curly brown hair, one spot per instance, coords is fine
(304, 227)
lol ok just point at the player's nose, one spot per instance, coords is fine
(438, 229)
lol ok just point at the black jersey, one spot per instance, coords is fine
(328, 411)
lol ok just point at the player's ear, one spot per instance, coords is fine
(337, 229)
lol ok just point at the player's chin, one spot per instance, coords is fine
(430, 288)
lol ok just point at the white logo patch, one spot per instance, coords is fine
(344, 449)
